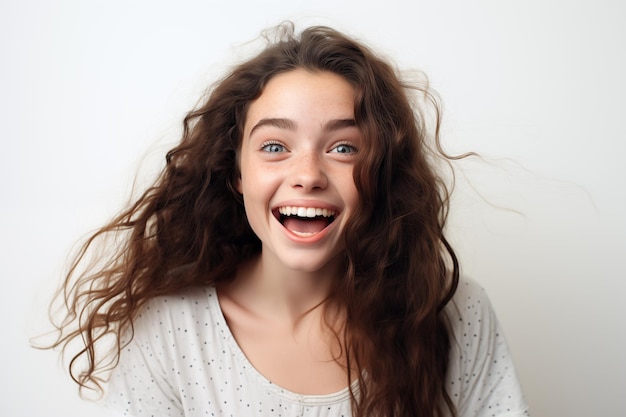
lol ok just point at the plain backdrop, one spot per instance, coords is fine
(92, 94)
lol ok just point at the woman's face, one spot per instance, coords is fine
(299, 148)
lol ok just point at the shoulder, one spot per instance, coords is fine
(151, 369)
(174, 314)
(482, 379)
(473, 325)
(187, 300)
(469, 294)
(469, 305)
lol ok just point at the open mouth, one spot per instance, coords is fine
(304, 221)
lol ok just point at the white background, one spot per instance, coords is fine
(92, 90)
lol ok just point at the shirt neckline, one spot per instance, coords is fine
(251, 371)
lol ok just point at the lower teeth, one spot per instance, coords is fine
(302, 234)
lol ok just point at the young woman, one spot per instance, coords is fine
(291, 259)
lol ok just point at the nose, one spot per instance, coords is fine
(308, 173)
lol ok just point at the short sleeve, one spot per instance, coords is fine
(482, 381)
(140, 385)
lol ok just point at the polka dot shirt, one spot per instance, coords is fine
(184, 361)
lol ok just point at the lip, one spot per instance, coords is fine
(309, 204)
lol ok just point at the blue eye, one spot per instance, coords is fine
(273, 148)
(344, 148)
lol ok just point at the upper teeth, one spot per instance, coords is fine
(305, 211)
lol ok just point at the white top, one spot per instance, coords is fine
(184, 361)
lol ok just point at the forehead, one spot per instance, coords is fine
(302, 96)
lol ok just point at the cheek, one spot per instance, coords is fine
(349, 189)
(356, 196)
(354, 200)
(257, 190)
(351, 199)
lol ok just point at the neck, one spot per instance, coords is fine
(269, 289)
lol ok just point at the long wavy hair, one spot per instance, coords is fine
(189, 228)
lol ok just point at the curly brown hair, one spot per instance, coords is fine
(189, 228)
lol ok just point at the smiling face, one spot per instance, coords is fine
(299, 147)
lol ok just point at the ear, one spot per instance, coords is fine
(234, 186)
(238, 186)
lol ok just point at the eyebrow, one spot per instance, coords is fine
(289, 124)
(279, 123)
